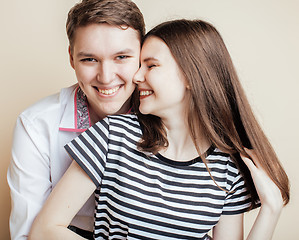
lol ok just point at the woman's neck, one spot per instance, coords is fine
(181, 146)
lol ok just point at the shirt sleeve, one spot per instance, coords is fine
(238, 198)
(90, 149)
(28, 177)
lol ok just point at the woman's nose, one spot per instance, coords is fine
(139, 76)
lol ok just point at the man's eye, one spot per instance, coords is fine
(88, 60)
(121, 57)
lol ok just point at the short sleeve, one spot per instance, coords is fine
(238, 198)
(90, 149)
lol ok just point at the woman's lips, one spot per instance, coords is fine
(145, 93)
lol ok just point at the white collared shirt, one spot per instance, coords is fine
(39, 159)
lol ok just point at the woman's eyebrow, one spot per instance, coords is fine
(150, 59)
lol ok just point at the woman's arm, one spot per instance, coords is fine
(231, 226)
(270, 197)
(66, 199)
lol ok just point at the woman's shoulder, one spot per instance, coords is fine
(124, 118)
(214, 154)
(221, 158)
(121, 123)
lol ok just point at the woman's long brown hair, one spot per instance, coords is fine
(218, 105)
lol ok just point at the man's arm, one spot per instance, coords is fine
(28, 177)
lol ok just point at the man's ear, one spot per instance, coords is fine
(71, 57)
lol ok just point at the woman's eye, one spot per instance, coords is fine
(151, 66)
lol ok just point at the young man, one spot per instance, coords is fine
(104, 37)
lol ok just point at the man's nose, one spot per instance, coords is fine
(106, 73)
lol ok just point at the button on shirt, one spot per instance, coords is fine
(39, 159)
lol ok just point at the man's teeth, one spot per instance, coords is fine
(108, 91)
(146, 93)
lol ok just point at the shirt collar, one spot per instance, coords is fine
(76, 116)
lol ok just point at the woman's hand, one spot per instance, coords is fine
(270, 197)
(267, 190)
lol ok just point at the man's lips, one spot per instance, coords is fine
(108, 91)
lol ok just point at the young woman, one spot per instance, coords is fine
(174, 170)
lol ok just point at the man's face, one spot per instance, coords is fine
(105, 59)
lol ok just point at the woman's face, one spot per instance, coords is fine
(161, 84)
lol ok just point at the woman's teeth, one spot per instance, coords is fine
(146, 93)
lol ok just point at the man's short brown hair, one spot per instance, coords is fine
(121, 13)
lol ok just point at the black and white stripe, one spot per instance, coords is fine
(143, 196)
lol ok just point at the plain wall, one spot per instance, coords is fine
(262, 37)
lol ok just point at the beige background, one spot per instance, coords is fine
(262, 37)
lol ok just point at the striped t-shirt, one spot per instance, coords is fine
(146, 196)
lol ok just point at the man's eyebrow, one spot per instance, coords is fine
(84, 54)
(125, 51)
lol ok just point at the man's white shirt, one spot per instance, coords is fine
(39, 159)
